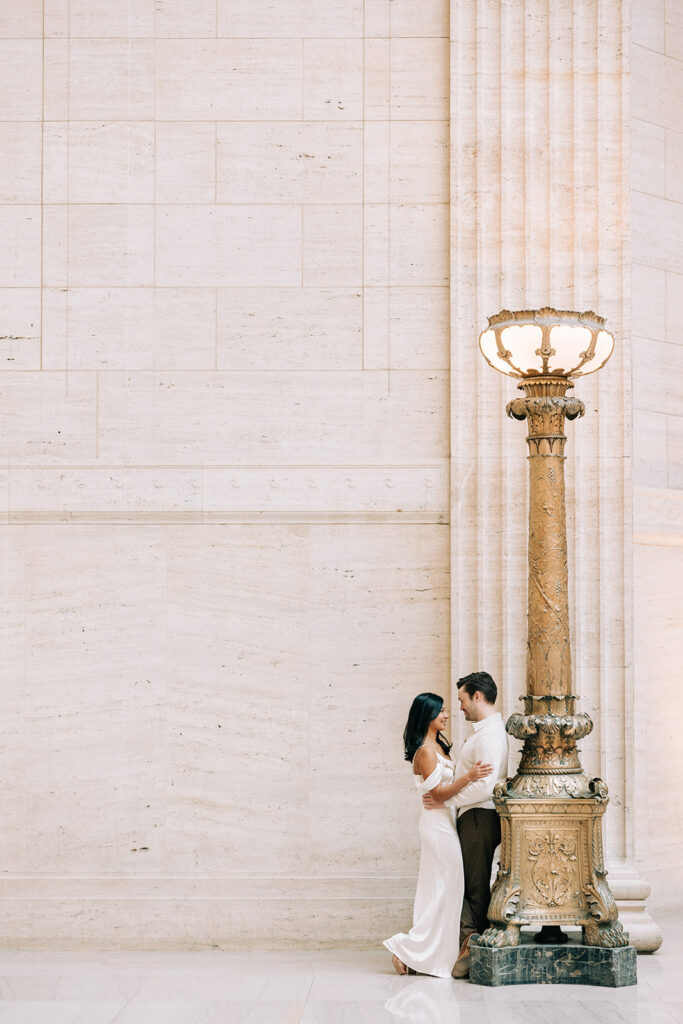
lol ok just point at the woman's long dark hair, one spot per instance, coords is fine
(423, 710)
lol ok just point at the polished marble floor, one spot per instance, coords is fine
(312, 988)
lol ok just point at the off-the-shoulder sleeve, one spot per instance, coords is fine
(431, 781)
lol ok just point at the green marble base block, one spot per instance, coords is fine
(569, 964)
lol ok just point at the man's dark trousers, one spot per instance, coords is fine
(479, 831)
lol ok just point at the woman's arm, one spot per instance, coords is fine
(442, 793)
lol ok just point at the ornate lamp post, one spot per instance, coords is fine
(551, 867)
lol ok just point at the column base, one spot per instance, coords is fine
(570, 964)
(630, 892)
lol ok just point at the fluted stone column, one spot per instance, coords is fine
(539, 216)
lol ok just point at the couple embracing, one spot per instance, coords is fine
(459, 828)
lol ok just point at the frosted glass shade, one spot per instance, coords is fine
(537, 342)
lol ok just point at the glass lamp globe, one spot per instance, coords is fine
(546, 342)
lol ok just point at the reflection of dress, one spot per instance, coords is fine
(425, 1001)
(432, 944)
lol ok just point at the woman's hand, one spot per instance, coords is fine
(479, 771)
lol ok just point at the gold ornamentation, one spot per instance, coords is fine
(553, 867)
(551, 861)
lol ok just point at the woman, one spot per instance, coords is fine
(432, 944)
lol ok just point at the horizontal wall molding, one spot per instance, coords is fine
(244, 517)
(242, 887)
(116, 493)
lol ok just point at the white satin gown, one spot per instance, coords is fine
(433, 943)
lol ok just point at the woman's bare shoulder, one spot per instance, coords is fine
(424, 762)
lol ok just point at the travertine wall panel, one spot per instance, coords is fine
(169, 418)
(185, 19)
(185, 161)
(94, 689)
(20, 245)
(284, 19)
(224, 330)
(20, 80)
(309, 162)
(110, 79)
(332, 79)
(290, 329)
(332, 246)
(20, 173)
(221, 79)
(108, 162)
(19, 20)
(222, 245)
(129, 328)
(20, 340)
(48, 417)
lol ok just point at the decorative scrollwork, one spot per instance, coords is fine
(549, 741)
(554, 867)
(573, 727)
(547, 786)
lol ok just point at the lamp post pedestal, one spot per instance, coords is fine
(551, 864)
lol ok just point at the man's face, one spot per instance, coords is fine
(468, 705)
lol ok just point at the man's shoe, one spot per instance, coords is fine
(461, 968)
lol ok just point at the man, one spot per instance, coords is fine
(478, 823)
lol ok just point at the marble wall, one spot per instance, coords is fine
(657, 280)
(224, 483)
(257, 488)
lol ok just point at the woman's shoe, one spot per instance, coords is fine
(399, 966)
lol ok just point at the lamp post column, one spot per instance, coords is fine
(549, 671)
(551, 866)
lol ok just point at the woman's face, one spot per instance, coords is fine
(441, 719)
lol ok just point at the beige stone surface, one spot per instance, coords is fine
(21, 79)
(332, 245)
(185, 161)
(283, 19)
(20, 228)
(648, 158)
(220, 245)
(332, 79)
(224, 79)
(657, 397)
(21, 20)
(185, 19)
(20, 174)
(64, 428)
(21, 319)
(357, 419)
(110, 162)
(290, 329)
(111, 78)
(105, 244)
(126, 19)
(241, 246)
(311, 162)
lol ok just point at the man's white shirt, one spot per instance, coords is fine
(489, 744)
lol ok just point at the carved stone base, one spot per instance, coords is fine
(570, 964)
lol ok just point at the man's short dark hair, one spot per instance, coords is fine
(482, 682)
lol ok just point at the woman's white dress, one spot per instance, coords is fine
(433, 943)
